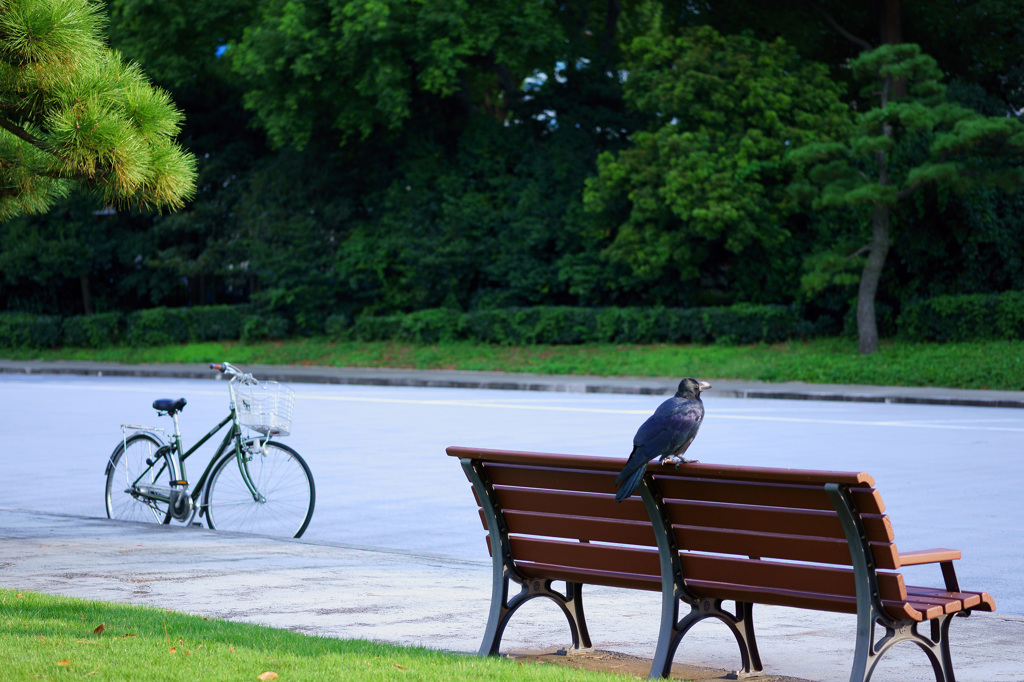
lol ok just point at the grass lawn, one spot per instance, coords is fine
(52, 637)
(984, 364)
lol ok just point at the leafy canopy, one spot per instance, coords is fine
(73, 111)
(711, 167)
(358, 66)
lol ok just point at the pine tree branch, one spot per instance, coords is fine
(23, 134)
(863, 44)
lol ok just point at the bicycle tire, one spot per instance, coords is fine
(280, 475)
(127, 465)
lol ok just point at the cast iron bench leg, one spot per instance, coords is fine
(502, 609)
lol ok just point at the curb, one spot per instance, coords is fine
(508, 381)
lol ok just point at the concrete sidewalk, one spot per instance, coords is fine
(432, 600)
(792, 390)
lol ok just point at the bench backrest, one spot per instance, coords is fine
(746, 533)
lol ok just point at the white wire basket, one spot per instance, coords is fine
(265, 407)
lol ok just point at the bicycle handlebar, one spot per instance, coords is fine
(234, 372)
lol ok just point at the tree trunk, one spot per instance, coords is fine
(892, 34)
(86, 296)
(867, 325)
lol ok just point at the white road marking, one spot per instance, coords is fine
(544, 405)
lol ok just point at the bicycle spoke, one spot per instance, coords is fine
(284, 486)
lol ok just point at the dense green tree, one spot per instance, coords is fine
(707, 178)
(945, 143)
(365, 66)
(72, 111)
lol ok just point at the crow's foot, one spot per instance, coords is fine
(677, 460)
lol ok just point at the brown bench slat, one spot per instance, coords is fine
(573, 574)
(778, 546)
(914, 609)
(902, 610)
(786, 576)
(800, 599)
(812, 522)
(580, 528)
(614, 464)
(571, 503)
(557, 479)
(763, 494)
(591, 556)
(970, 600)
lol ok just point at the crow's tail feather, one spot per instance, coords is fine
(630, 485)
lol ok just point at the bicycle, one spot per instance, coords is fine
(252, 484)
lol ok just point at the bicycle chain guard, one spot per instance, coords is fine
(181, 504)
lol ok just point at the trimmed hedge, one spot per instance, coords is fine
(940, 319)
(965, 317)
(263, 327)
(163, 326)
(24, 330)
(566, 325)
(93, 331)
(150, 327)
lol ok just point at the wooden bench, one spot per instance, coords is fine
(702, 535)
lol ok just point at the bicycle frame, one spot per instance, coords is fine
(177, 461)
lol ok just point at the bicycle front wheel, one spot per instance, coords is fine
(130, 476)
(284, 496)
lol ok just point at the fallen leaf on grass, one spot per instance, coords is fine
(99, 629)
(400, 667)
(64, 662)
(269, 675)
(174, 649)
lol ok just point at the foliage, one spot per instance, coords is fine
(902, 141)
(567, 325)
(162, 326)
(264, 326)
(709, 173)
(368, 65)
(75, 112)
(397, 157)
(157, 327)
(23, 330)
(93, 331)
(965, 317)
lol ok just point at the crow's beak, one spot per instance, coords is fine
(704, 385)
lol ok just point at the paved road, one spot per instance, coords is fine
(950, 474)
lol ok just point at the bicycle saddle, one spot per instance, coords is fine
(169, 406)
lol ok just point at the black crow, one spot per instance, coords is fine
(666, 434)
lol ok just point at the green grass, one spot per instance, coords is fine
(982, 364)
(52, 637)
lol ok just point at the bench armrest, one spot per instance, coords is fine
(943, 557)
(928, 556)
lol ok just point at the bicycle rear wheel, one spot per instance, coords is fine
(128, 473)
(286, 494)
